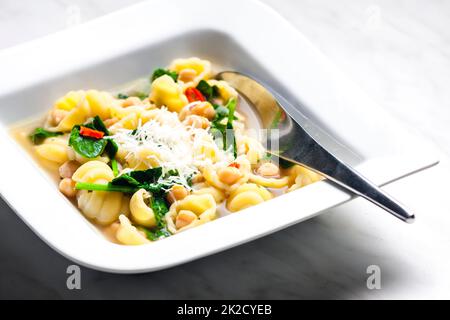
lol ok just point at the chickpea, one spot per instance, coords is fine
(131, 101)
(196, 122)
(187, 75)
(67, 187)
(200, 108)
(229, 175)
(176, 193)
(268, 169)
(57, 115)
(68, 168)
(204, 109)
(184, 218)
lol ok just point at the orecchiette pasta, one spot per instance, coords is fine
(269, 182)
(229, 177)
(54, 149)
(226, 92)
(191, 212)
(161, 155)
(165, 92)
(102, 206)
(79, 106)
(141, 213)
(203, 188)
(251, 148)
(129, 234)
(191, 70)
(247, 195)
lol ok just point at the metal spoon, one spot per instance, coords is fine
(296, 145)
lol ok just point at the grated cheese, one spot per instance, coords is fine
(172, 145)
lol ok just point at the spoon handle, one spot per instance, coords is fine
(320, 160)
(303, 149)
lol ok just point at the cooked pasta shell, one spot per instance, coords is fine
(129, 234)
(203, 206)
(191, 70)
(166, 92)
(102, 206)
(247, 195)
(141, 213)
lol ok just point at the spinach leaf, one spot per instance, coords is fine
(39, 135)
(156, 234)
(97, 124)
(137, 94)
(125, 180)
(160, 208)
(208, 91)
(230, 136)
(87, 147)
(122, 96)
(114, 167)
(111, 148)
(90, 147)
(138, 177)
(160, 72)
(143, 179)
(148, 180)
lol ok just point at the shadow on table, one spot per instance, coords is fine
(323, 258)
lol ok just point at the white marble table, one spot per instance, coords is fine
(399, 53)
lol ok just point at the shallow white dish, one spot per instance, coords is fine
(236, 34)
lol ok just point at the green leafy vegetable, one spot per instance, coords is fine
(208, 91)
(146, 179)
(231, 139)
(160, 72)
(104, 187)
(39, 135)
(225, 130)
(90, 147)
(122, 96)
(111, 148)
(87, 147)
(160, 208)
(114, 167)
(138, 94)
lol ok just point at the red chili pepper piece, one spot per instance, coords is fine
(234, 165)
(193, 94)
(88, 132)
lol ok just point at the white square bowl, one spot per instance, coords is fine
(235, 34)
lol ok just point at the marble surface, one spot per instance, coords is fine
(399, 53)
